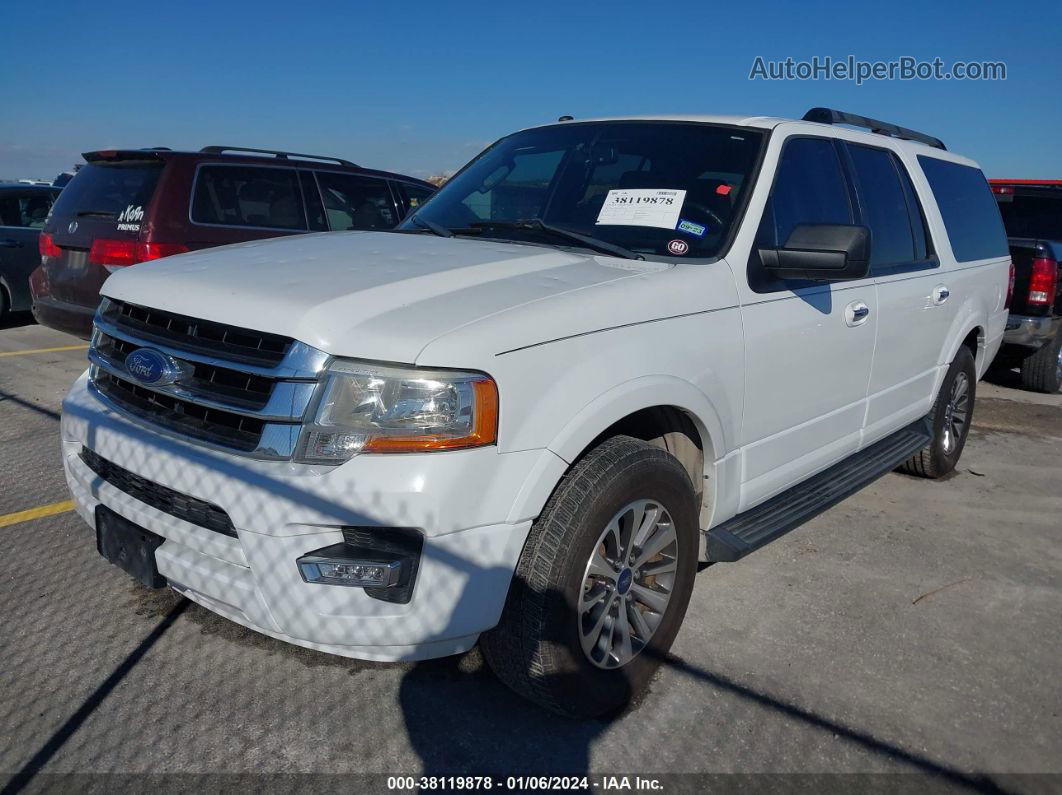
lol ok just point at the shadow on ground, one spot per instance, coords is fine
(17, 320)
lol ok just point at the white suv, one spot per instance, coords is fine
(604, 351)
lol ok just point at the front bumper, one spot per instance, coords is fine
(468, 505)
(1031, 332)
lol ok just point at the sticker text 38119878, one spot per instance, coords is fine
(654, 207)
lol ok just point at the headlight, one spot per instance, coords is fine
(375, 408)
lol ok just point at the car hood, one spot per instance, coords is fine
(365, 294)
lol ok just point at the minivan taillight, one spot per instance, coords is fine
(119, 253)
(47, 246)
(150, 251)
(1010, 287)
(1043, 282)
(113, 252)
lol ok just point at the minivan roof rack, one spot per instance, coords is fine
(831, 116)
(214, 150)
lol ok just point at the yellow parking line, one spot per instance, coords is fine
(8, 519)
(45, 350)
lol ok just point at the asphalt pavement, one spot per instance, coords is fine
(912, 634)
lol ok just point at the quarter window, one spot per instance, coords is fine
(970, 214)
(416, 195)
(353, 202)
(248, 196)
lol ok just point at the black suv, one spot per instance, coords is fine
(132, 205)
(23, 209)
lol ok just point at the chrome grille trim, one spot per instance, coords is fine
(301, 360)
(288, 400)
(253, 409)
(276, 443)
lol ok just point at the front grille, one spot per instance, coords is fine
(190, 509)
(245, 391)
(209, 424)
(208, 380)
(199, 336)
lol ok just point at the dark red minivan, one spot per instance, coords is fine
(135, 205)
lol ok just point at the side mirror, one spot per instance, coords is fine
(821, 252)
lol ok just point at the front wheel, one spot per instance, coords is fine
(603, 582)
(951, 417)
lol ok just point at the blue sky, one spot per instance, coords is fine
(422, 87)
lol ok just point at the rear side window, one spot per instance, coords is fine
(107, 190)
(969, 211)
(268, 198)
(809, 188)
(353, 202)
(28, 210)
(885, 206)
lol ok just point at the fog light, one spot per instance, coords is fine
(382, 560)
(332, 566)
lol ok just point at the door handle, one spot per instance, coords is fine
(10, 243)
(940, 294)
(856, 313)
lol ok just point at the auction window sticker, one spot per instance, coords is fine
(655, 207)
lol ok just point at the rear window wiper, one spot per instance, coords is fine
(96, 213)
(431, 226)
(540, 225)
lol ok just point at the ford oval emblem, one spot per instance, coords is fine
(149, 366)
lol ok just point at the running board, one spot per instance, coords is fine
(759, 526)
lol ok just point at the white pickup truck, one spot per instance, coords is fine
(604, 351)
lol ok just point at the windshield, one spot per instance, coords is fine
(653, 188)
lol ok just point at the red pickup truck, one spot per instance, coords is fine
(1032, 215)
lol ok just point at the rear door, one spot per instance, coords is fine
(22, 216)
(106, 200)
(915, 306)
(808, 345)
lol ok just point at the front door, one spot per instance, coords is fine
(808, 346)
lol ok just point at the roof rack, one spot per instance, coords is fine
(215, 150)
(831, 116)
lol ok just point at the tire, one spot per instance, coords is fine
(5, 305)
(538, 647)
(954, 405)
(1042, 372)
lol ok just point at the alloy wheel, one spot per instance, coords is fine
(627, 583)
(956, 413)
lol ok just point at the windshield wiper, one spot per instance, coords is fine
(431, 226)
(560, 231)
